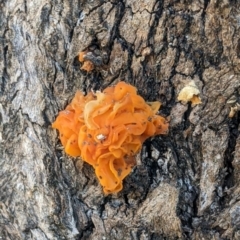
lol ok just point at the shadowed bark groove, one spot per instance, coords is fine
(186, 184)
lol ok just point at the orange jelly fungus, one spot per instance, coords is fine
(87, 65)
(107, 130)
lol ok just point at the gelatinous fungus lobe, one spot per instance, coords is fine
(107, 129)
(87, 65)
(190, 93)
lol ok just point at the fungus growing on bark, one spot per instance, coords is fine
(87, 65)
(190, 94)
(107, 130)
(233, 110)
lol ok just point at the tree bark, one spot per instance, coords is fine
(186, 184)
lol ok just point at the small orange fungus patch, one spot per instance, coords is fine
(190, 94)
(107, 130)
(87, 65)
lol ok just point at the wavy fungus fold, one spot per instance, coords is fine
(107, 129)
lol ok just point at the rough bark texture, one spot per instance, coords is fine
(186, 185)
